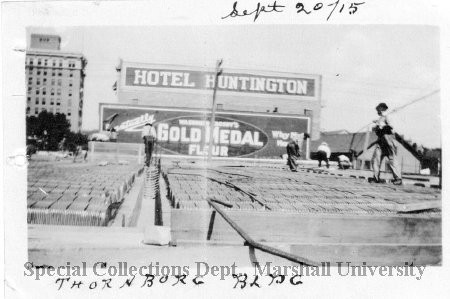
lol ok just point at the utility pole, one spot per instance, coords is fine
(213, 115)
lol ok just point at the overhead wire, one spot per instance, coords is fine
(395, 110)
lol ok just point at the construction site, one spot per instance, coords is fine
(178, 211)
(217, 188)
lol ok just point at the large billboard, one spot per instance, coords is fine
(186, 132)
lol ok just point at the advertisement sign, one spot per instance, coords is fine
(187, 131)
(237, 82)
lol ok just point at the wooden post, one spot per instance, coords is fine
(213, 116)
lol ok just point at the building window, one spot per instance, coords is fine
(53, 63)
(59, 74)
(58, 101)
(58, 110)
(45, 61)
(53, 81)
(38, 72)
(53, 74)
(31, 69)
(28, 110)
(71, 75)
(58, 91)
(39, 61)
(43, 109)
(70, 83)
(45, 81)
(52, 101)
(59, 82)
(52, 91)
(45, 73)
(37, 101)
(29, 89)
(37, 91)
(60, 63)
(43, 101)
(29, 99)
(38, 82)
(70, 92)
(44, 91)
(69, 102)
(31, 61)
(36, 110)
(69, 112)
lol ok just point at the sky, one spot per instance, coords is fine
(360, 65)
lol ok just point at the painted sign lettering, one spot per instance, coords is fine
(145, 77)
(186, 132)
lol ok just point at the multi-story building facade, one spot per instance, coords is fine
(55, 83)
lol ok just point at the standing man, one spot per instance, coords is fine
(149, 136)
(385, 147)
(293, 149)
(323, 154)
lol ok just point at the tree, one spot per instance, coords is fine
(56, 126)
(75, 139)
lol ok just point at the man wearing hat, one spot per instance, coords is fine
(149, 136)
(385, 147)
(293, 149)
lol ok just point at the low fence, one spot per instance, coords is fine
(116, 151)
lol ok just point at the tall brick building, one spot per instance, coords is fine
(55, 79)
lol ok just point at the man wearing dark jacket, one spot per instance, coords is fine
(293, 149)
(149, 136)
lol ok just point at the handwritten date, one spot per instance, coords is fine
(275, 7)
(352, 8)
(333, 8)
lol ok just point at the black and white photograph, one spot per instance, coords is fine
(234, 157)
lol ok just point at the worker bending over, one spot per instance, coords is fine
(323, 154)
(344, 162)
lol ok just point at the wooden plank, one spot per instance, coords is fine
(372, 254)
(419, 206)
(302, 228)
(78, 243)
(165, 255)
(51, 237)
(129, 210)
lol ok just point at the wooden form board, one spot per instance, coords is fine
(375, 240)
(300, 228)
(371, 254)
